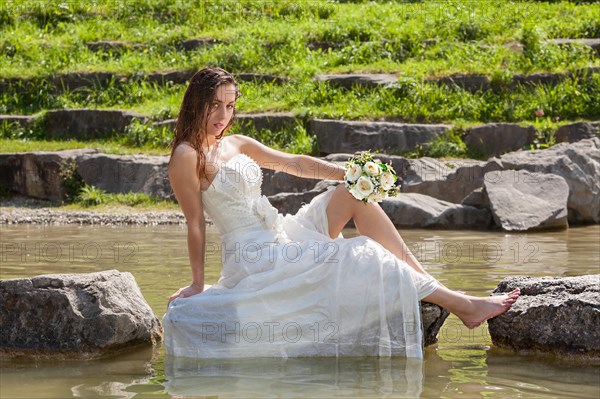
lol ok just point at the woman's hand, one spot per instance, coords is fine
(185, 292)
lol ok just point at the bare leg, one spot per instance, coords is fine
(472, 311)
(371, 221)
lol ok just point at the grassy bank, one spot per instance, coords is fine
(408, 100)
(298, 40)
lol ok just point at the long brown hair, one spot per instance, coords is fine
(192, 121)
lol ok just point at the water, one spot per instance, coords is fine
(463, 364)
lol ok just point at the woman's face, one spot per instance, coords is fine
(220, 110)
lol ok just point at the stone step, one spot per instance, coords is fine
(332, 136)
(119, 46)
(593, 43)
(469, 82)
(60, 82)
(89, 123)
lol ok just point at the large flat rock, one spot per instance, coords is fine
(578, 163)
(334, 136)
(495, 139)
(40, 174)
(521, 200)
(74, 315)
(557, 315)
(126, 173)
(418, 210)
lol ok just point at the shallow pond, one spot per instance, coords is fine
(463, 364)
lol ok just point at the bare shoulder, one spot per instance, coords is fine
(182, 149)
(183, 153)
(183, 161)
(249, 146)
(241, 142)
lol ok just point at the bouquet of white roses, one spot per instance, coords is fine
(368, 179)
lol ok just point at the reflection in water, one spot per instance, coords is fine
(460, 365)
(108, 377)
(542, 376)
(294, 377)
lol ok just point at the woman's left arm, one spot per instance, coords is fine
(294, 164)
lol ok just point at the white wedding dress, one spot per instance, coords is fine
(287, 289)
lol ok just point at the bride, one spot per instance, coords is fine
(290, 285)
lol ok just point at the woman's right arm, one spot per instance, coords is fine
(187, 189)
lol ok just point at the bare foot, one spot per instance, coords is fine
(486, 308)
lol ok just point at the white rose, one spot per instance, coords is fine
(377, 196)
(372, 169)
(355, 193)
(353, 172)
(386, 180)
(364, 186)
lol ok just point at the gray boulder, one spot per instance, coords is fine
(520, 200)
(335, 136)
(477, 198)
(291, 202)
(577, 131)
(432, 317)
(418, 210)
(552, 315)
(445, 180)
(578, 163)
(275, 182)
(74, 315)
(126, 173)
(40, 174)
(88, 123)
(494, 139)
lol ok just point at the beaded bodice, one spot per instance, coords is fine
(234, 202)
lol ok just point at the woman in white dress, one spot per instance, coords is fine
(290, 285)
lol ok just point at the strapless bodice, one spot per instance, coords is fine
(234, 202)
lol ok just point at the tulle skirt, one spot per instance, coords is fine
(298, 292)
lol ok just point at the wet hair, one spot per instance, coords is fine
(192, 121)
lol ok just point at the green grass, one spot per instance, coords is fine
(414, 39)
(409, 100)
(42, 37)
(90, 196)
(109, 147)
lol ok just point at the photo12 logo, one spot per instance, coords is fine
(268, 332)
(71, 252)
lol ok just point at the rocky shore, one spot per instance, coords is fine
(518, 191)
(23, 214)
